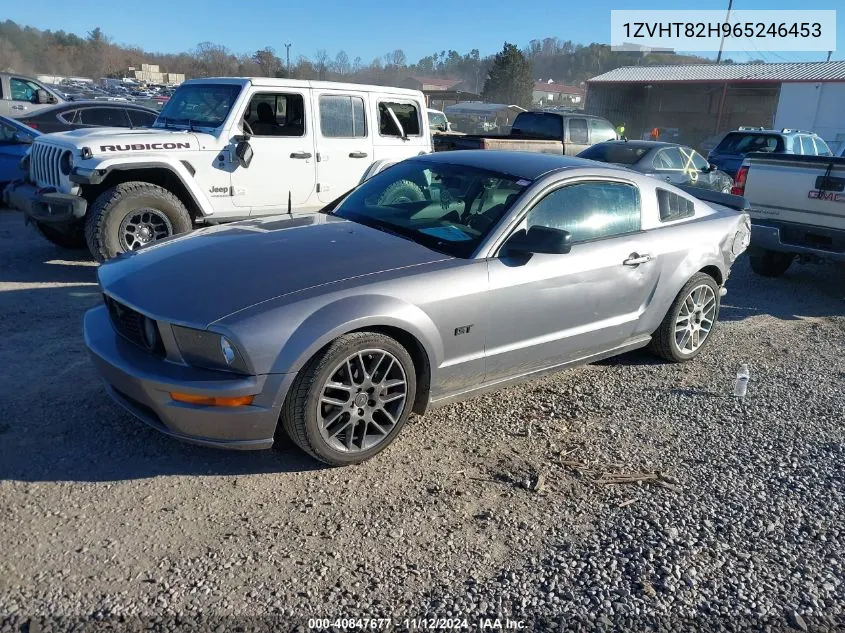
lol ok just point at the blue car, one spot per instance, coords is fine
(15, 139)
(732, 149)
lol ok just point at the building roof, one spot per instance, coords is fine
(739, 73)
(477, 107)
(436, 81)
(542, 86)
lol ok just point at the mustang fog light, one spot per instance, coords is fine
(66, 163)
(237, 401)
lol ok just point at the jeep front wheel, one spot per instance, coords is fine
(132, 215)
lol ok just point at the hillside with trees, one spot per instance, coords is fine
(29, 50)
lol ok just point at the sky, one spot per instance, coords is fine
(369, 28)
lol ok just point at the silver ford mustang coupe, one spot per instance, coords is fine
(441, 277)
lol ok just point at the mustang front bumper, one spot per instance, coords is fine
(44, 205)
(141, 383)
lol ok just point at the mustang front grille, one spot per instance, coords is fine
(130, 324)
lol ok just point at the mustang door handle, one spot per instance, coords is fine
(300, 155)
(635, 259)
(357, 154)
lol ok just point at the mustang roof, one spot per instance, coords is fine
(529, 165)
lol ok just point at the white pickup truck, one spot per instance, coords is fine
(220, 150)
(797, 209)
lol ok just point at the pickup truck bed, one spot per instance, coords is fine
(446, 142)
(797, 208)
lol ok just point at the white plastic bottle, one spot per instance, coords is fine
(741, 382)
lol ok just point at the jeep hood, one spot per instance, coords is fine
(200, 278)
(106, 141)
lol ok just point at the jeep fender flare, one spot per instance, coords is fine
(182, 169)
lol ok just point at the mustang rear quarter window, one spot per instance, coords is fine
(673, 207)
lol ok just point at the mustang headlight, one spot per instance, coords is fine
(211, 350)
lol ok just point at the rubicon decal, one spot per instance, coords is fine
(136, 147)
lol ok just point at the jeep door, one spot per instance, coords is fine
(282, 134)
(551, 309)
(410, 138)
(344, 139)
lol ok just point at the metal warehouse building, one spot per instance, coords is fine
(695, 102)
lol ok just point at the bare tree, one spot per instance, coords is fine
(341, 63)
(321, 62)
(268, 61)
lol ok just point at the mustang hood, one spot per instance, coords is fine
(199, 278)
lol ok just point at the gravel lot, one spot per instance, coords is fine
(501, 506)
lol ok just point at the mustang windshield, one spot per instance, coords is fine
(206, 105)
(448, 208)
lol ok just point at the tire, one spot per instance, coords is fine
(72, 236)
(401, 191)
(165, 214)
(304, 415)
(770, 263)
(664, 342)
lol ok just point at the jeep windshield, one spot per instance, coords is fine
(203, 105)
(447, 208)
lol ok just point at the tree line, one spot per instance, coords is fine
(25, 49)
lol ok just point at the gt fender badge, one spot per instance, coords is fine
(464, 329)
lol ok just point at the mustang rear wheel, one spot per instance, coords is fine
(352, 399)
(688, 323)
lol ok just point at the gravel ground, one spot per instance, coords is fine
(626, 495)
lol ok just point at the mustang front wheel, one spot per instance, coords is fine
(688, 323)
(351, 400)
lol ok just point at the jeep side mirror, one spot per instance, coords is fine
(244, 153)
(539, 239)
(23, 139)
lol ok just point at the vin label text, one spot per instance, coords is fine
(689, 30)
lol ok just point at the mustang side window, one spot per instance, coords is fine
(589, 210)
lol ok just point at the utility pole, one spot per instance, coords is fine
(287, 54)
(722, 43)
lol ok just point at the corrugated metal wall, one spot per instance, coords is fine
(689, 112)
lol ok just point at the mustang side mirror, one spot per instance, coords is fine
(711, 167)
(244, 153)
(539, 239)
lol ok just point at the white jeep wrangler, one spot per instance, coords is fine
(221, 150)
